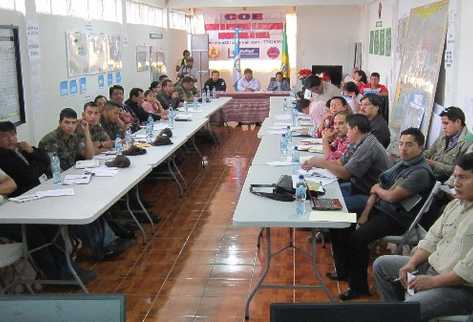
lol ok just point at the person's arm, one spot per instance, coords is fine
(383, 91)
(420, 256)
(335, 167)
(368, 207)
(327, 138)
(396, 194)
(239, 86)
(89, 149)
(7, 185)
(104, 143)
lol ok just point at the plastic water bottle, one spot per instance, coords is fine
(284, 105)
(118, 145)
(55, 167)
(289, 135)
(128, 137)
(149, 129)
(207, 93)
(283, 145)
(301, 194)
(214, 94)
(296, 159)
(171, 117)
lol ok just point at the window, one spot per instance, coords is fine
(17, 5)
(139, 13)
(109, 10)
(178, 20)
(197, 24)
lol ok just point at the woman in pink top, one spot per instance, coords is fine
(335, 105)
(335, 141)
(152, 105)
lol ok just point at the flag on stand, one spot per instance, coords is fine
(236, 58)
(285, 55)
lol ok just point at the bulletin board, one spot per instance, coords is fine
(12, 107)
(420, 65)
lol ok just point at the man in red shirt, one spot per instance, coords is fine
(374, 87)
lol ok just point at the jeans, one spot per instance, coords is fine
(435, 302)
(354, 200)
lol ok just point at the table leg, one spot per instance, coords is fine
(176, 179)
(267, 264)
(67, 252)
(178, 171)
(212, 134)
(195, 147)
(130, 211)
(314, 265)
(138, 198)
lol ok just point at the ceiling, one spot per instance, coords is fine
(257, 3)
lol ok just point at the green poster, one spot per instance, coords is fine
(371, 42)
(387, 52)
(376, 42)
(381, 42)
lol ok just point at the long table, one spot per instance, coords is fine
(90, 201)
(248, 107)
(255, 211)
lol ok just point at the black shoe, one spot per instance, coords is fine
(334, 276)
(352, 294)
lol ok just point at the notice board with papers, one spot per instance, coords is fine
(12, 105)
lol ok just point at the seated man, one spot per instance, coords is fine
(64, 140)
(102, 142)
(374, 87)
(321, 92)
(216, 83)
(393, 204)
(25, 164)
(168, 97)
(116, 93)
(134, 103)
(335, 142)
(110, 121)
(7, 185)
(451, 145)
(247, 83)
(279, 83)
(370, 106)
(361, 164)
(442, 260)
(186, 90)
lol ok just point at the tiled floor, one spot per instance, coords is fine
(198, 267)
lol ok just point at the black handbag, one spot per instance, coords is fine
(282, 190)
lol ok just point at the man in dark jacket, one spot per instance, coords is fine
(133, 106)
(25, 164)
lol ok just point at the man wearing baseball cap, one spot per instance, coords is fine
(452, 144)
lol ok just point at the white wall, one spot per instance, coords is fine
(326, 35)
(42, 119)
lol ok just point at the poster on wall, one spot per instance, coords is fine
(73, 87)
(157, 63)
(371, 50)
(420, 65)
(376, 42)
(90, 53)
(142, 58)
(387, 51)
(260, 33)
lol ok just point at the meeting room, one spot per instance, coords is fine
(232, 161)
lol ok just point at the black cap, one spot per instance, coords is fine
(454, 113)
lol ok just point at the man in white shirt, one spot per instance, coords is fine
(247, 83)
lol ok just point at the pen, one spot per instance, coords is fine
(398, 279)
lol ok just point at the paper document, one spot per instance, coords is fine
(316, 149)
(306, 123)
(321, 181)
(332, 216)
(82, 164)
(76, 179)
(103, 171)
(317, 172)
(284, 124)
(283, 117)
(311, 141)
(279, 163)
(43, 194)
(277, 127)
(276, 132)
(104, 157)
(410, 278)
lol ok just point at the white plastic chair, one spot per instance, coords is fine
(9, 254)
(415, 231)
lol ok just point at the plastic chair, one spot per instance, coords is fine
(9, 254)
(415, 231)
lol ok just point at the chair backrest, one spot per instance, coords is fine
(424, 209)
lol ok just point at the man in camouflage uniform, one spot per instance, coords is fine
(68, 145)
(186, 89)
(99, 136)
(452, 144)
(110, 121)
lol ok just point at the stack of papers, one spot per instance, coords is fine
(70, 179)
(82, 164)
(279, 163)
(104, 157)
(332, 216)
(183, 117)
(43, 194)
(311, 141)
(318, 172)
(103, 171)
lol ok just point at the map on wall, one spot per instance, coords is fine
(91, 53)
(420, 64)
